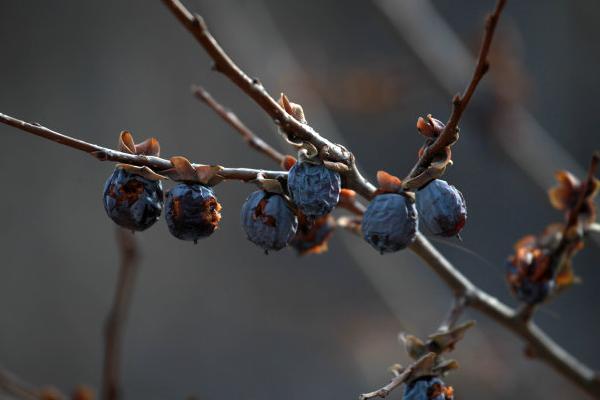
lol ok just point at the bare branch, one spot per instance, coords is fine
(449, 135)
(106, 154)
(401, 376)
(541, 345)
(228, 116)
(458, 307)
(12, 385)
(113, 333)
(295, 130)
(17, 388)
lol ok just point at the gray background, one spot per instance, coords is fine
(220, 318)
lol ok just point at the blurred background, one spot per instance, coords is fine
(221, 318)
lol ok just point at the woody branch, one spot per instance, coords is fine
(466, 292)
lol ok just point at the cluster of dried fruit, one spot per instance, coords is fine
(275, 217)
(542, 265)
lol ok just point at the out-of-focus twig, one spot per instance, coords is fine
(115, 322)
(14, 386)
(17, 388)
(229, 116)
(296, 130)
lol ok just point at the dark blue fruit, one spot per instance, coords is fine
(131, 200)
(429, 388)
(390, 222)
(192, 211)
(268, 220)
(525, 287)
(441, 208)
(314, 188)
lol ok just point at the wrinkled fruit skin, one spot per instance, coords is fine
(312, 235)
(268, 220)
(442, 208)
(314, 188)
(428, 389)
(192, 211)
(132, 201)
(390, 222)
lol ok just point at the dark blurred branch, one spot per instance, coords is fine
(13, 386)
(229, 116)
(456, 310)
(294, 129)
(105, 154)
(115, 322)
(449, 135)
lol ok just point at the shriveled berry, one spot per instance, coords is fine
(314, 188)
(312, 235)
(429, 388)
(390, 222)
(268, 220)
(132, 201)
(192, 211)
(441, 208)
(525, 288)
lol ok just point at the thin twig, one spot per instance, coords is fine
(106, 154)
(449, 134)
(229, 116)
(14, 386)
(548, 350)
(17, 388)
(406, 374)
(458, 307)
(113, 333)
(543, 346)
(295, 130)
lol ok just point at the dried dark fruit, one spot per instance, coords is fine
(268, 220)
(314, 188)
(428, 388)
(312, 235)
(528, 271)
(192, 211)
(132, 201)
(441, 208)
(390, 222)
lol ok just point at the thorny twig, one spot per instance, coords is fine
(113, 333)
(548, 350)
